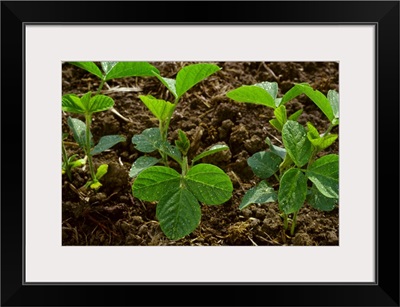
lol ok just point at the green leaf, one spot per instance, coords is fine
(323, 142)
(312, 133)
(101, 171)
(260, 194)
(169, 83)
(161, 109)
(77, 163)
(130, 69)
(209, 184)
(279, 151)
(292, 191)
(212, 150)
(324, 173)
(170, 150)
(107, 66)
(147, 140)
(154, 182)
(333, 98)
(192, 74)
(316, 96)
(276, 124)
(264, 163)
(141, 164)
(90, 67)
(294, 137)
(78, 129)
(72, 103)
(280, 114)
(321, 202)
(270, 87)
(295, 116)
(182, 143)
(100, 103)
(107, 142)
(86, 104)
(179, 213)
(252, 94)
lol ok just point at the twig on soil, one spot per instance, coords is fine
(254, 243)
(271, 72)
(119, 115)
(238, 180)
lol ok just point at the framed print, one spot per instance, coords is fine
(232, 157)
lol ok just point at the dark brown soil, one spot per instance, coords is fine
(112, 216)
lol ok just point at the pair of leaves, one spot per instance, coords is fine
(265, 93)
(150, 140)
(323, 173)
(96, 184)
(78, 129)
(86, 104)
(329, 104)
(187, 77)
(114, 70)
(178, 196)
(281, 117)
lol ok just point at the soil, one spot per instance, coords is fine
(113, 216)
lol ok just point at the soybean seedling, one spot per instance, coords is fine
(117, 70)
(69, 162)
(86, 106)
(302, 176)
(178, 194)
(163, 110)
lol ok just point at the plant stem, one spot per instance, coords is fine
(100, 87)
(293, 223)
(88, 118)
(164, 126)
(285, 221)
(328, 130)
(65, 158)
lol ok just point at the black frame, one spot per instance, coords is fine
(383, 14)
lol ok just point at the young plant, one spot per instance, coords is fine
(86, 106)
(163, 110)
(302, 176)
(68, 163)
(178, 194)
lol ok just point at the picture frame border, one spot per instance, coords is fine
(15, 15)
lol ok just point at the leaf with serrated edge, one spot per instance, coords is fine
(154, 182)
(292, 191)
(260, 194)
(179, 213)
(324, 173)
(209, 184)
